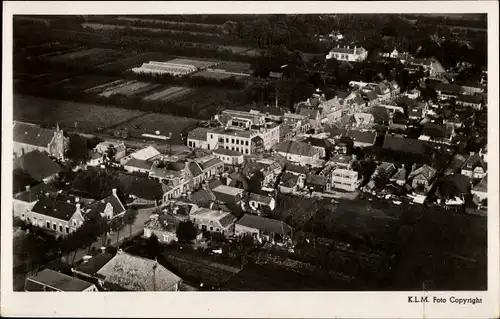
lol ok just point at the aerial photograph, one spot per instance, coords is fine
(250, 152)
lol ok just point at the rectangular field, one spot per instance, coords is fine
(169, 94)
(160, 122)
(87, 53)
(127, 88)
(133, 61)
(50, 112)
(200, 64)
(81, 83)
(234, 67)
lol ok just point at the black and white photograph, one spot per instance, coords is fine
(204, 154)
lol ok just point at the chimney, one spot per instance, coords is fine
(189, 194)
(114, 192)
(471, 153)
(119, 251)
(78, 207)
(77, 199)
(28, 187)
(103, 249)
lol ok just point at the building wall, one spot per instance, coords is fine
(477, 173)
(60, 225)
(468, 104)
(192, 143)
(230, 160)
(362, 144)
(301, 160)
(240, 230)
(229, 142)
(212, 225)
(132, 169)
(345, 182)
(163, 236)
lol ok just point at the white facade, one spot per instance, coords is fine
(347, 54)
(345, 179)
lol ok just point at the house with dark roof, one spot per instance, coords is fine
(256, 202)
(23, 202)
(448, 91)
(228, 194)
(219, 221)
(50, 280)
(341, 161)
(453, 189)
(323, 145)
(109, 207)
(29, 137)
(474, 167)
(137, 165)
(56, 217)
(298, 152)
(474, 101)
(163, 226)
(38, 165)
(363, 138)
(126, 272)
(262, 228)
(435, 133)
(317, 183)
(399, 178)
(87, 269)
(289, 183)
(141, 188)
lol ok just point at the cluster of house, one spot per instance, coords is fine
(107, 272)
(431, 66)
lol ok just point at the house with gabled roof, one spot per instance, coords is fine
(399, 178)
(435, 133)
(474, 101)
(289, 183)
(263, 229)
(362, 138)
(257, 202)
(298, 152)
(109, 207)
(474, 167)
(23, 202)
(30, 137)
(51, 280)
(38, 165)
(219, 221)
(422, 178)
(197, 138)
(127, 272)
(137, 165)
(56, 217)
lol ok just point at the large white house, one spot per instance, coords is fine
(356, 54)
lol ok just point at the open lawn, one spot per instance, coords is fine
(50, 112)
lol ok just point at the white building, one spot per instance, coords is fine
(345, 179)
(356, 54)
(229, 157)
(155, 67)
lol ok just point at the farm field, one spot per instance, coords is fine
(133, 61)
(50, 112)
(80, 83)
(235, 67)
(171, 22)
(200, 64)
(168, 94)
(126, 88)
(43, 49)
(101, 26)
(86, 53)
(160, 122)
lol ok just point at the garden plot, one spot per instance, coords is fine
(169, 94)
(128, 88)
(103, 87)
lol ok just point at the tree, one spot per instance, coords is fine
(255, 182)
(110, 153)
(77, 148)
(129, 218)
(153, 245)
(116, 225)
(186, 231)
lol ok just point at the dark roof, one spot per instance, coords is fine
(406, 145)
(319, 142)
(35, 192)
(99, 206)
(343, 50)
(316, 180)
(210, 163)
(289, 180)
(474, 161)
(199, 133)
(482, 186)
(436, 130)
(452, 88)
(202, 197)
(55, 280)
(416, 112)
(285, 129)
(38, 165)
(264, 224)
(260, 198)
(133, 162)
(54, 208)
(194, 168)
(453, 185)
(94, 264)
(226, 152)
(371, 96)
(362, 136)
(298, 148)
(289, 167)
(343, 94)
(32, 134)
(380, 114)
(469, 98)
(311, 113)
